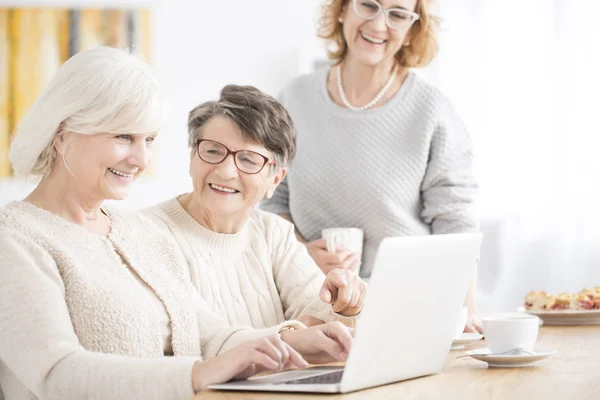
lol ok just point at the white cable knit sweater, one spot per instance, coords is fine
(260, 276)
(74, 324)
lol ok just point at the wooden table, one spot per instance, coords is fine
(572, 373)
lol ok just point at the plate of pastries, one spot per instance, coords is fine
(581, 308)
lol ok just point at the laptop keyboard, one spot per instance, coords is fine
(332, 377)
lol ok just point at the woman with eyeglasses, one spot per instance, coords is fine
(97, 302)
(247, 263)
(378, 147)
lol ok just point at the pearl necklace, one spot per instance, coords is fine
(372, 102)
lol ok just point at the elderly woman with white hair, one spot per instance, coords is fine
(246, 263)
(97, 302)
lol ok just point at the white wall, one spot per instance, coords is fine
(201, 45)
(198, 47)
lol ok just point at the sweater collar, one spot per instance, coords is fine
(211, 241)
(58, 221)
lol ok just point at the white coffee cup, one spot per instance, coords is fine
(503, 334)
(344, 238)
(462, 322)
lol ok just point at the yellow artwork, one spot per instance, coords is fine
(4, 92)
(34, 42)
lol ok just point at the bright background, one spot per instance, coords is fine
(523, 74)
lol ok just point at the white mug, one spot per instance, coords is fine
(344, 238)
(503, 334)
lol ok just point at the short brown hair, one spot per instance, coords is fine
(261, 118)
(423, 43)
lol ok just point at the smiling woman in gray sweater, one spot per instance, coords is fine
(93, 298)
(378, 148)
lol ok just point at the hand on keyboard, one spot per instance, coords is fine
(249, 358)
(321, 344)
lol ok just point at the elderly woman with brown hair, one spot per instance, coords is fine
(378, 147)
(245, 262)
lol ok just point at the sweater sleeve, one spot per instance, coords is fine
(39, 345)
(279, 202)
(449, 186)
(218, 336)
(297, 277)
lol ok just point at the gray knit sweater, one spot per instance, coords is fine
(404, 168)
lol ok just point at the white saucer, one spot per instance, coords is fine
(509, 361)
(459, 343)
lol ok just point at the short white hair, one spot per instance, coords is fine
(101, 90)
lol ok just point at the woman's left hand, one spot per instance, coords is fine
(345, 291)
(473, 322)
(326, 343)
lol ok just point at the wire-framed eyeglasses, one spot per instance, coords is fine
(396, 18)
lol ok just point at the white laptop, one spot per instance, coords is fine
(416, 291)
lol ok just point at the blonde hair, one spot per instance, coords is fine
(423, 43)
(101, 90)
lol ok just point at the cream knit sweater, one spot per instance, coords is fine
(260, 276)
(74, 324)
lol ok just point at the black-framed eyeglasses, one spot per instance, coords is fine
(247, 161)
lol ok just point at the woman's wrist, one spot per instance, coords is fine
(284, 328)
(198, 376)
(286, 335)
(289, 327)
